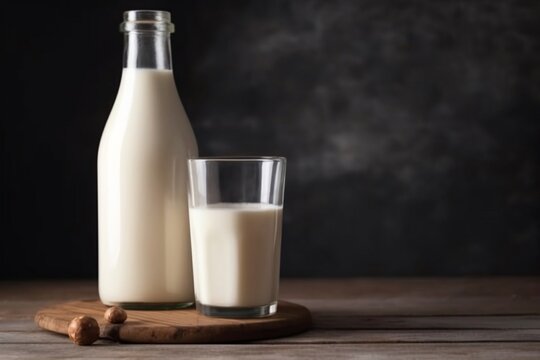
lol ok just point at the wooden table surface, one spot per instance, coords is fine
(408, 318)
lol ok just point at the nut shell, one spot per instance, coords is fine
(115, 315)
(83, 330)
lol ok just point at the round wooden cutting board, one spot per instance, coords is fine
(177, 326)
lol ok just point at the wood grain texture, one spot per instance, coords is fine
(185, 326)
(318, 336)
(409, 318)
(105, 350)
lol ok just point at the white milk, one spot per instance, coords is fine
(144, 244)
(236, 252)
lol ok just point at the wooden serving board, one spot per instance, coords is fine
(177, 326)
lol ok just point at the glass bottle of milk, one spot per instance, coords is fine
(144, 245)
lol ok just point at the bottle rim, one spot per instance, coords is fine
(147, 20)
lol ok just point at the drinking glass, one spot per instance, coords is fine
(235, 216)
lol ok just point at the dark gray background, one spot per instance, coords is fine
(412, 128)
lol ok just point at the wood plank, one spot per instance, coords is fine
(18, 326)
(333, 336)
(47, 290)
(347, 319)
(344, 322)
(32, 337)
(409, 336)
(424, 306)
(344, 308)
(435, 287)
(482, 351)
(13, 310)
(352, 321)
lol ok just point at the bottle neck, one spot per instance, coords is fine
(147, 50)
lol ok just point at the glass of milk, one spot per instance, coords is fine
(235, 215)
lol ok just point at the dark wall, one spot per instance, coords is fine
(412, 128)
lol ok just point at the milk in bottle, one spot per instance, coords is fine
(144, 244)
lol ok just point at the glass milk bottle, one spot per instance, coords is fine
(144, 244)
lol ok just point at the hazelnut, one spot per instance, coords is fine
(83, 330)
(115, 315)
